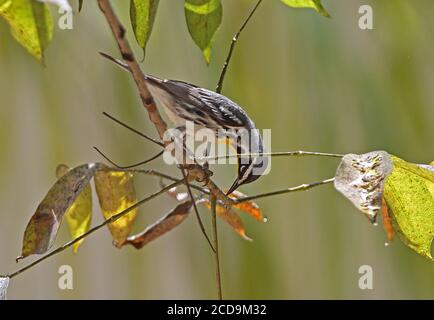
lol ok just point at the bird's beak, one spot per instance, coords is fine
(234, 186)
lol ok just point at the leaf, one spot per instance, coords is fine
(230, 217)
(4, 283)
(409, 193)
(31, 24)
(162, 226)
(249, 207)
(79, 215)
(360, 178)
(142, 15)
(42, 228)
(315, 4)
(116, 192)
(62, 4)
(203, 19)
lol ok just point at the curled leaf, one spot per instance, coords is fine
(162, 226)
(42, 228)
(31, 24)
(116, 192)
(203, 19)
(79, 214)
(387, 221)
(360, 178)
(4, 283)
(409, 193)
(314, 4)
(249, 207)
(142, 15)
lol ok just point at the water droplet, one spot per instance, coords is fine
(375, 224)
(386, 244)
(265, 219)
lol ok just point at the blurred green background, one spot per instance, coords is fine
(319, 84)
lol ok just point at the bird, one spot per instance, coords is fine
(182, 101)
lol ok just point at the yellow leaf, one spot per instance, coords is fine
(31, 24)
(409, 195)
(79, 214)
(116, 192)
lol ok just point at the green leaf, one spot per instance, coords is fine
(116, 192)
(4, 283)
(142, 15)
(409, 193)
(314, 4)
(31, 24)
(42, 228)
(79, 214)
(203, 19)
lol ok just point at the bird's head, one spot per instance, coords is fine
(250, 168)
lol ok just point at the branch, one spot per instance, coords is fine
(298, 153)
(213, 201)
(195, 171)
(303, 187)
(127, 54)
(232, 47)
(92, 230)
(196, 211)
(134, 165)
(134, 130)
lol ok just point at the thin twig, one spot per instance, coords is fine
(196, 211)
(92, 230)
(132, 165)
(232, 47)
(302, 187)
(213, 201)
(133, 130)
(298, 153)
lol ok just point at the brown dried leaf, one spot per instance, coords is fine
(249, 207)
(387, 221)
(230, 217)
(42, 228)
(116, 192)
(162, 226)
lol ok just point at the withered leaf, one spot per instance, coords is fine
(249, 207)
(360, 178)
(79, 215)
(162, 226)
(42, 228)
(116, 192)
(230, 217)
